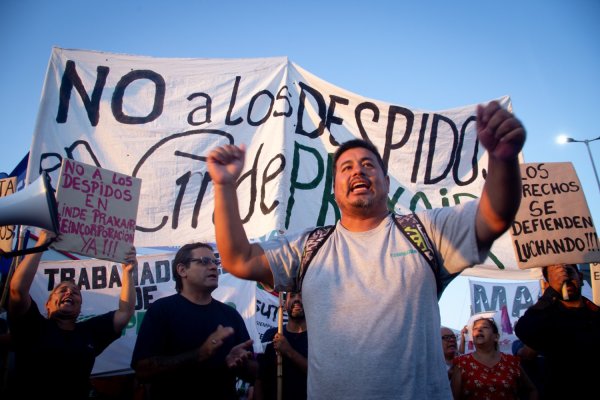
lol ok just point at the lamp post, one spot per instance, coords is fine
(566, 139)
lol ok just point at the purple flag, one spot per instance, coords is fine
(506, 325)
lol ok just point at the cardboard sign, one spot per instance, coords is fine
(595, 278)
(97, 211)
(8, 186)
(553, 224)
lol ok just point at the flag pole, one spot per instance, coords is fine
(279, 359)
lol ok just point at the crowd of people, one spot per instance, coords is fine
(381, 337)
(386, 333)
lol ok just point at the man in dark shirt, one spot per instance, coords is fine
(191, 345)
(55, 355)
(566, 329)
(292, 344)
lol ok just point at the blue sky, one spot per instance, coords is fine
(430, 55)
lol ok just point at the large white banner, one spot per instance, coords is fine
(157, 119)
(100, 283)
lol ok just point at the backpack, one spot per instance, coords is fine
(408, 224)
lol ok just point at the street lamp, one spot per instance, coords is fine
(565, 139)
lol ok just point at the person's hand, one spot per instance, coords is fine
(225, 163)
(215, 341)
(239, 354)
(499, 131)
(45, 237)
(464, 331)
(280, 344)
(557, 275)
(130, 260)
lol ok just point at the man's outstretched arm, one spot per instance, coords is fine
(238, 255)
(23, 277)
(503, 136)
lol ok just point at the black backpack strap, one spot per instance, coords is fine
(410, 225)
(315, 240)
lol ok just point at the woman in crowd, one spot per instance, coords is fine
(488, 373)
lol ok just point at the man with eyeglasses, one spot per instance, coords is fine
(448, 345)
(191, 345)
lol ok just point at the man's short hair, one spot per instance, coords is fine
(183, 256)
(355, 143)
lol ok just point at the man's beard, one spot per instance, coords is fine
(63, 315)
(362, 203)
(576, 295)
(296, 315)
(369, 202)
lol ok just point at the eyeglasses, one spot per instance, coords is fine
(449, 337)
(204, 261)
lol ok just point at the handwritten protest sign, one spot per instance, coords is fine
(553, 224)
(595, 278)
(97, 211)
(8, 186)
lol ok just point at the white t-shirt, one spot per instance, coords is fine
(371, 306)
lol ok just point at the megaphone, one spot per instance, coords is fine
(34, 205)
